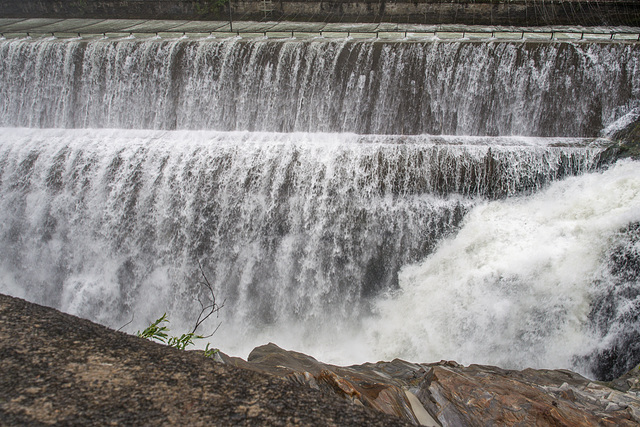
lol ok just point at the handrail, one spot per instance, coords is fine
(556, 35)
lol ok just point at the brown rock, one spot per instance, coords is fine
(369, 385)
(450, 394)
(59, 369)
(485, 395)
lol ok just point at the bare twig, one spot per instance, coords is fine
(128, 323)
(208, 310)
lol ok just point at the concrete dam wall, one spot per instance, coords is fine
(469, 12)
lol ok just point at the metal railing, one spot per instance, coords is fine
(549, 35)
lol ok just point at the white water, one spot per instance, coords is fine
(301, 232)
(296, 231)
(515, 285)
(452, 88)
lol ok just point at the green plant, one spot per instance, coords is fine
(210, 352)
(158, 331)
(183, 341)
(210, 7)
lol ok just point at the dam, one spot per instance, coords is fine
(356, 192)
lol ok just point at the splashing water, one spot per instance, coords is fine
(516, 284)
(292, 229)
(285, 168)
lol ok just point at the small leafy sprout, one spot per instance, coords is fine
(183, 341)
(155, 331)
(159, 332)
(210, 352)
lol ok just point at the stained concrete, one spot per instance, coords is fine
(469, 12)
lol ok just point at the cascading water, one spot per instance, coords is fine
(142, 158)
(516, 285)
(452, 88)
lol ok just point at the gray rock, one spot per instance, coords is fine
(60, 369)
(625, 141)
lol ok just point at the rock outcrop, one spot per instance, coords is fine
(59, 369)
(449, 394)
(385, 386)
(479, 395)
(625, 139)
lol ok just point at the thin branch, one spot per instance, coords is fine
(214, 331)
(210, 309)
(128, 323)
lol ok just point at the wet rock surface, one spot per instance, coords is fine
(625, 141)
(449, 394)
(383, 386)
(476, 395)
(60, 369)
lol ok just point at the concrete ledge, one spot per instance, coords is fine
(118, 28)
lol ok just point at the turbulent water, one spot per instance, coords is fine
(516, 285)
(306, 178)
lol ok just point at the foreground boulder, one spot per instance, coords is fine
(59, 369)
(449, 394)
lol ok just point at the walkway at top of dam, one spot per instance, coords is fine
(117, 28)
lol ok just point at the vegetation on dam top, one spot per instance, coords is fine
(468, 12)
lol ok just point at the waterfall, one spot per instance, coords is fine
(366, 87)
(315, 182)
(528, 281)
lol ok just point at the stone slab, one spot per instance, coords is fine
(28, 24)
